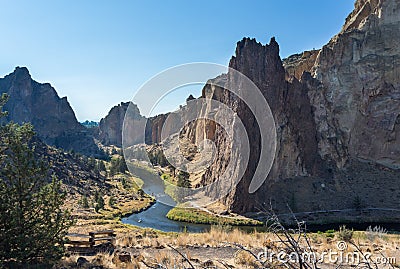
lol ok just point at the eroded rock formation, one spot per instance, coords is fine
(296, 65)
(337, 118)
(52, 116)
(357, 104)
(110, 127)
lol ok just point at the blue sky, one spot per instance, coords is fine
(98, 53)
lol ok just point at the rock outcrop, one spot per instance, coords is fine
(296, 65)
(357, 104)
(110, 127)
(337, 118)
(154, 127)
(52, 116)
(297, 147)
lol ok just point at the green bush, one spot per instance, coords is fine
(345, 234)
(99, 201)
(330, 233)
(118, 165)
(84, 202)
(111, 201)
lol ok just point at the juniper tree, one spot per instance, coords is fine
(184, 183)
(122, 167)
(99, 201)
(183, 179)
(84, 202)
(101, 166)
(33, 224)
(118, 165)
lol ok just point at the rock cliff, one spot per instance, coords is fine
(336, 112)
(337, 118)
(154, 127)
(357, 103)
(110, 127)
(297, 146)
(296, 65)
(52, 116)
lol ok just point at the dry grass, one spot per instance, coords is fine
(245, 259)
(169, 258)
(219, 236)
(154, 247)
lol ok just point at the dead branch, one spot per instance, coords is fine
(183, 256)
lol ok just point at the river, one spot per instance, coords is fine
(155, 216)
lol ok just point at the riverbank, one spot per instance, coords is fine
(194, 215)
(123, 198)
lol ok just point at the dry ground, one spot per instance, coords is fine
(221, 247)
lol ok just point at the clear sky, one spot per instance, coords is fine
(98, 53)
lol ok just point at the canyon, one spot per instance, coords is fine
(337, 118)
(336, 113)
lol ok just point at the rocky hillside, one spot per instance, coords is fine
(336, 112)
(337, 118)
(76, 171)
(296, 65)
(52, 116)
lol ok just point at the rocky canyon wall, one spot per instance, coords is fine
(337, 117)
(357, 104)
(336, 112)
(111, 126)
